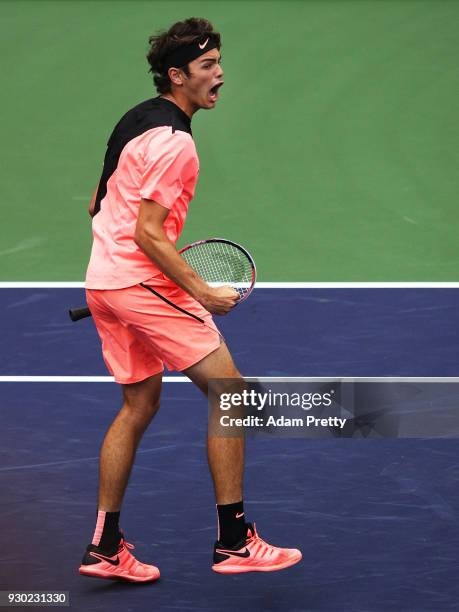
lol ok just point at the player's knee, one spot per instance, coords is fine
(234, 373)
(140, 413)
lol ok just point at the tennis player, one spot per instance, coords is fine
(152, 310)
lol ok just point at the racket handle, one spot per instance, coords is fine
(79, 313)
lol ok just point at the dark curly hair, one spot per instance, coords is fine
(164, 43)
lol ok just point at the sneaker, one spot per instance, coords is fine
(253, 555)
(121, 565)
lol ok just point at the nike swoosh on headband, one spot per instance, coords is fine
(204, 44)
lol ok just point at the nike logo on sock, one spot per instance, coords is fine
(239, 514)
(233, 553)
(104, 558)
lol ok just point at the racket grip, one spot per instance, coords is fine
(79, 313)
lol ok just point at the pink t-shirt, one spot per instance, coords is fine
(159, 165)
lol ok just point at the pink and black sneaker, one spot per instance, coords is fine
(119, 564)
(253, 555)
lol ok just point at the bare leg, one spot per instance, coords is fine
(141, 402)
(225, 455)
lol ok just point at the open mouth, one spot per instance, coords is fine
(213, 92)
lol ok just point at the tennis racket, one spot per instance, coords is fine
(218, 261)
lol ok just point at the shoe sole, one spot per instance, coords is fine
(109, 576)
(239, 569)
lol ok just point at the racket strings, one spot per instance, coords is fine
(221, 263)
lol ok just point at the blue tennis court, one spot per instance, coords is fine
(376, 519)
(278, 332)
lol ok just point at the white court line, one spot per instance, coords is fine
(262, 285)
(184, 379)
(78, 379)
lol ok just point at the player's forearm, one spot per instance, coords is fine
(164, 254)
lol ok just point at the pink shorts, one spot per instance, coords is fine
(151, 325)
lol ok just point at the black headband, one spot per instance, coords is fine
(187, 53)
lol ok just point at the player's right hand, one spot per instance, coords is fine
(220, 300)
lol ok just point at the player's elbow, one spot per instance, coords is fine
(140, 237)
(146, 236)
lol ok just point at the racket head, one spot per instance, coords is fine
(222, 262)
